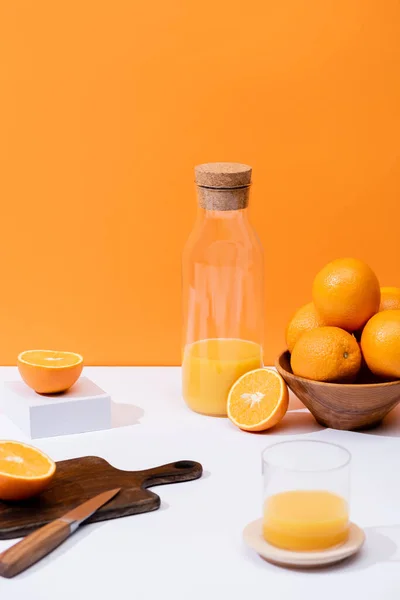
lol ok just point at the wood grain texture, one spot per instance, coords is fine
(79, 479)
(32, 548)
(342, 406)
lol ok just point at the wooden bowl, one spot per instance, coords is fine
(339, 405)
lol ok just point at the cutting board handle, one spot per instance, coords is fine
(182, 470)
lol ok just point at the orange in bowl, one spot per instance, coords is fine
(327, 354)
(390, 298)
(304, 319)
(49, 371)
(346, 293)
(25, 471)
(380, 344)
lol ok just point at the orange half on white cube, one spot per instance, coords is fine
(49, 371)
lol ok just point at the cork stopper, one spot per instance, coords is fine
(223, 186)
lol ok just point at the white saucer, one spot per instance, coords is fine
(253, 537)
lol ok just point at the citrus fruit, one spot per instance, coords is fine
(326, 354)
(24, 471)
(258, 400)
(380, 344)
(304, 319)
(49, 371)
(390, 298)
(346, 293)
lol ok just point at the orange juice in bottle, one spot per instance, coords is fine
(223, 285)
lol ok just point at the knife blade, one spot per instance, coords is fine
(38, 544)
(81, 513)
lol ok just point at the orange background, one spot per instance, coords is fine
(105, 108)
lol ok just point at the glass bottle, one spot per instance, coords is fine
(223, 285)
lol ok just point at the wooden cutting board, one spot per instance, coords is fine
(79, 479)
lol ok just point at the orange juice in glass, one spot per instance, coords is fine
(306, 493)
(222, 289)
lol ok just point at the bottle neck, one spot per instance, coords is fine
(223, 200)
(225, 216)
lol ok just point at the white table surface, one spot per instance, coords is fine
(192, 547)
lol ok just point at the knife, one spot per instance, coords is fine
(38, 544)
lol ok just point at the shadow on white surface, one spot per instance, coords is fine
(381, 545)
(76, 538)
(66, 546)
(296, 423)
(123, 415)
(390, 426)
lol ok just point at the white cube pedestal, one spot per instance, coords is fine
(84, 407)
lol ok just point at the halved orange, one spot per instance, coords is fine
(25, 471)
(49, 371)
(258, 400)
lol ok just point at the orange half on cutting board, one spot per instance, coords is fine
(49, 371)
(258, 400)
(25, 471)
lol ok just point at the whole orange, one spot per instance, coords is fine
(346, 293)
(304, 319)
(390, 298)
(380, 344)
(326, 354)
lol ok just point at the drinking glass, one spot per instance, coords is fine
(306, 495)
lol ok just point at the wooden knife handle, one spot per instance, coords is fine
(33, 547)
